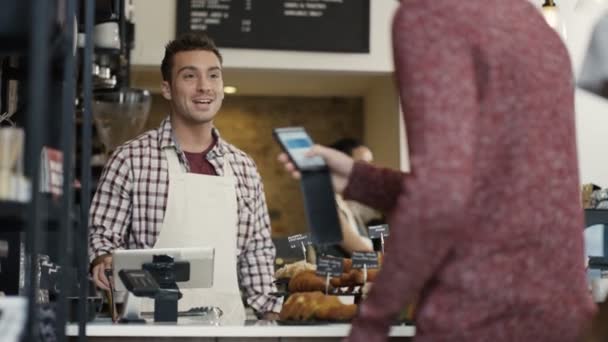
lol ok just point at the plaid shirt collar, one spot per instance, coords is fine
(166, 139)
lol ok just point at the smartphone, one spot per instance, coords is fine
(319, 197)
(296, 142)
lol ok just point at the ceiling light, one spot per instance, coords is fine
(552, 16)
(229, 90)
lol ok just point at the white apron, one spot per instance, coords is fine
(202, 212)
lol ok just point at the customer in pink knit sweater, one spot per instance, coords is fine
(486, 230)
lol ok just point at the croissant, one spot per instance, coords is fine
(316, 305)
(301, 306)
(306, 281)
(347, 264)
(341, 312)
(291, 270)
(323, 312)
(335, 282)
(372, 274)
(352, 278)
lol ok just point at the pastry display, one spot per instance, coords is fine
(349, 279)
(309, 306)
(291, 270)
(301, 306)
(304, 278)
(306, 299)
(306, 281)
(332, 309)
(354, 277)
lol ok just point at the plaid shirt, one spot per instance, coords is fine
(128, 208)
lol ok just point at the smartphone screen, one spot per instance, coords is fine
(296, 142)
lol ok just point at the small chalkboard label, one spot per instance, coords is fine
(599, 263)
(296, 241)
(375, 232)
(329, 266)
(367, 259)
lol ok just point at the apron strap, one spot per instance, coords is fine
(175, 167)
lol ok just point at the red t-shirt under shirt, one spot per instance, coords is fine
(198, 161)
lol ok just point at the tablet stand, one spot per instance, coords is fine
(167, 273)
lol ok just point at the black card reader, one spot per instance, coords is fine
(139, 282)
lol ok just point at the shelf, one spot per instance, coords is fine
(12, 211)
(17, 212)
(596, 216)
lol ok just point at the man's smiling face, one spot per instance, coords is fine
(196, 90)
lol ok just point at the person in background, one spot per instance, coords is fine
(362, 214)
(354, 236)
(486, 229)
(182, 185)
(353, 215)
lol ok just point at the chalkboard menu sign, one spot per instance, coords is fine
(302, 25)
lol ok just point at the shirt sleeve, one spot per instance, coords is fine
(438, 88)
(374, 186)
(110, 212)
(256, 262)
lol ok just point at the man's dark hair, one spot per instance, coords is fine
(189, 41)
(346, 145)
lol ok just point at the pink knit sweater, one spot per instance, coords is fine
(486, 231)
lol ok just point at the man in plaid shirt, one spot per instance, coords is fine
(129, 207)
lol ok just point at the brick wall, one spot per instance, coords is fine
(247, 122)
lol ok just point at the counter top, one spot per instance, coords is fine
(251, 329)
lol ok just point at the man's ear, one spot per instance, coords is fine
(165, 89)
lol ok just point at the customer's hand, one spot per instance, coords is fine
(101, 264)
(339, 164)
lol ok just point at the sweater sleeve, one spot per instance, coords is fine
(438, 89)
(373, 186)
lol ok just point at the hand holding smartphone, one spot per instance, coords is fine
(295, 141)
(319, 197)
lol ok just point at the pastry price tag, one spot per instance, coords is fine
(378, 232)
(365, 260)
(296, 241)
(598, 263)
(299, 241)
(329, 266)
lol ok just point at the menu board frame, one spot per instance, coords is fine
(292, 33)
